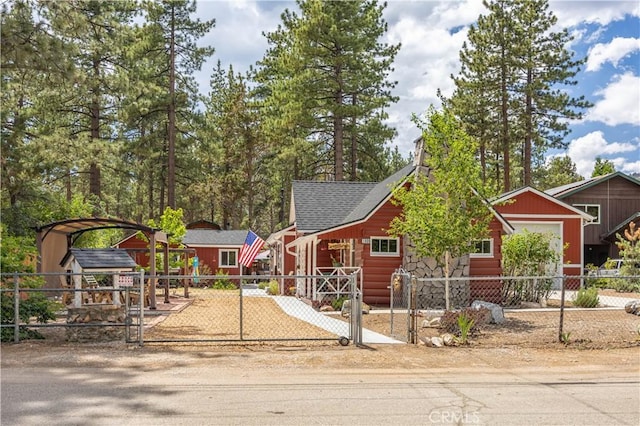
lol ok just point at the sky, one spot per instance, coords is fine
(432, 33)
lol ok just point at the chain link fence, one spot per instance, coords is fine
(210, 308)
(589, 311)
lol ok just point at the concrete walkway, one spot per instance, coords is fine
(605, 300)
(298, 309)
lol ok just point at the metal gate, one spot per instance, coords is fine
(245, 308)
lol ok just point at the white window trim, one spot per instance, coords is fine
(220, 251)
(491, 246)
(584, 207)
(377, 254)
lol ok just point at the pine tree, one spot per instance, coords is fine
(603, 167)
(176, 33)
(325, 83)
(511, 85)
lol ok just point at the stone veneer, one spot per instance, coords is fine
(431, 293)
(99, 314)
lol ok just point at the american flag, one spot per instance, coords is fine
(252, 245)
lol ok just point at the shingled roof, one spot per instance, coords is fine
(101, 259)
(325, 205)
(214, 237)
(572, 188)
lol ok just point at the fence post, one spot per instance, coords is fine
(141, 310)
(560, 332)
(413, 318)
(241, 310)
(16, 308)
(356, 311)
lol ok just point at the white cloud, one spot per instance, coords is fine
(620, 103)
(617, 49)
(584, 150)
(603, 12)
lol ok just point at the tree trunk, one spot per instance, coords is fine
(447, 260)
(338, 143)
(354, 145)
(94, 168)
(528, 129)
(171, 131)
(505, 132)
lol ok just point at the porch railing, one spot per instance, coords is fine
(330, 281)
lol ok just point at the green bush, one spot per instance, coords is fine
(337, 303)
(223, 283)
(625, 285)
(587, 298)
(471, 321)
(34, 304)
(273, 287)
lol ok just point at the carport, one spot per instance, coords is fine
(54, 240)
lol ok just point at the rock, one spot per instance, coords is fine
(326, 308)
(437, 342)
(530, 305)
(497, 313)
(448, 339)
(632, 307)
(346, 308)
(426, 341)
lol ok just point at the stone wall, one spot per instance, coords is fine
(431, 293)
(94, 323)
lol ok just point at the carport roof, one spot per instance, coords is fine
(80, 225)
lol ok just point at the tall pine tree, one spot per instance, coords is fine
(512, 86)
(325, 82)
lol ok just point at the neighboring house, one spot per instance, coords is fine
(341, 227)
(533, 210)
(613, 200)
(217, 249)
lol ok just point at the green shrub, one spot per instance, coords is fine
(33, 304)
(471, 321)
(465, 324)
(262, 285)
(273, 287)
(337, 303)
(223, 283)
(625, 285)
(587, 298)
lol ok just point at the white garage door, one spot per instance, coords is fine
(544, 227)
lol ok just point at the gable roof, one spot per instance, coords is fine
(514, 193)
(575, 187)
(324, 205)
(214, 237)
(96, 259)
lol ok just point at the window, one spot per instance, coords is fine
(592, 209)
(384, 247)
(228, 258)
(483, 248)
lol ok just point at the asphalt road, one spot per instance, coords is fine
(213, 395)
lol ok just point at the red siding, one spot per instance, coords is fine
(531, 203)
(376, 270)
(489, 266)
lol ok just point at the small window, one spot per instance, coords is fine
(384, 247)
(483, 248)
(591, 209)
(228, 258)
